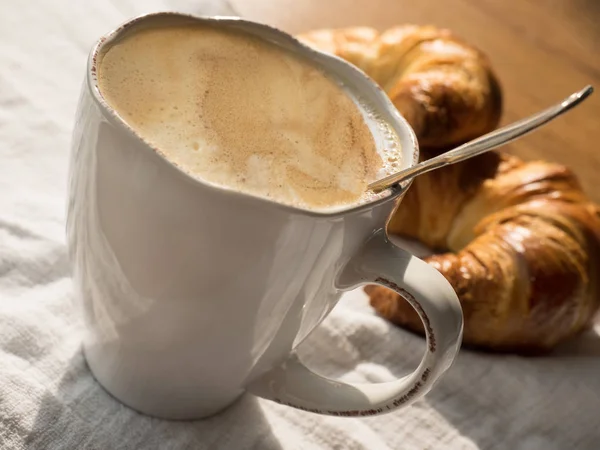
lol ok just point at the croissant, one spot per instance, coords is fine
(519, 241)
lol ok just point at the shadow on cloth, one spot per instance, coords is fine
(81, 414)
(507, 401)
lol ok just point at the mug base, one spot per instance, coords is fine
(126, 391)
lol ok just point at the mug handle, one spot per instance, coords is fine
(381, 262)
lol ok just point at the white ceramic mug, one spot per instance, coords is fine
(193, 294)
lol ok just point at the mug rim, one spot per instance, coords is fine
(401, 126)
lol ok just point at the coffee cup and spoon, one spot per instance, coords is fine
(222, 197)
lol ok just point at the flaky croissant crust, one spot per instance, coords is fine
(519, 241)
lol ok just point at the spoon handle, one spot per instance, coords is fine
(484, 143)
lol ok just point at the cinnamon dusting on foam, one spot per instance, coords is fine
(235, 110)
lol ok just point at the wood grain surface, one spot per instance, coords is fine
(542, 50)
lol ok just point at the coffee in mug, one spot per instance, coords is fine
(242, 112)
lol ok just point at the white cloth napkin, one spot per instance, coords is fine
(48, 398)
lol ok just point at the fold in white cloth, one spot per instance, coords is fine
(48, 398)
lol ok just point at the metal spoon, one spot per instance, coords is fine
(484, 143)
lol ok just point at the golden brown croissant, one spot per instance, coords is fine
(524, 247)
(518, 241)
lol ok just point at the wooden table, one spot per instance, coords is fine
(542, 51)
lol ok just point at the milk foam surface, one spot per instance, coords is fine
(237, 111)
